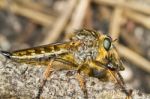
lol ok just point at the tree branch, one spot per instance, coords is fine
(15, 83)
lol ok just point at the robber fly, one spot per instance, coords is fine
(88, 52)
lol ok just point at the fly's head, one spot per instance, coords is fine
(108, 54)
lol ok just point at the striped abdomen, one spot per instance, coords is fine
(37, 54)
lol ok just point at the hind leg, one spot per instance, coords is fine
(46, 74)
(82, 84)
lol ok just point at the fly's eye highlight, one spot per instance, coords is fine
(107, 43)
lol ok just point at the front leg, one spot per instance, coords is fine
(121, 82)
(116, 76)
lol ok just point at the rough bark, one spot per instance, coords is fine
(17, 84)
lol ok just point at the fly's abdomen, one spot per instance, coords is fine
(6, 54)
(36, 54)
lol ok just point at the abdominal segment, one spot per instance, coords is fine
(38, 54)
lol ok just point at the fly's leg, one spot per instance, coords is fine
(87, 71)
(82, 84)
(120, 81)
(46, 74)
(82, 81)
(129, 93)
(79, 77)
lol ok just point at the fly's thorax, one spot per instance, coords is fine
(84, 53)
(88, 48)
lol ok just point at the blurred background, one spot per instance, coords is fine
(28, 23)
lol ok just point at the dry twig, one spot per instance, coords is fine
(60, 23)
(131, 41)
(37, 17)
(78, 16)
(126, 5)
(138, 18)
(36, 6)
(116, 20)
(135, 58)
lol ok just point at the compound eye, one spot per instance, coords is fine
(107, 43)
